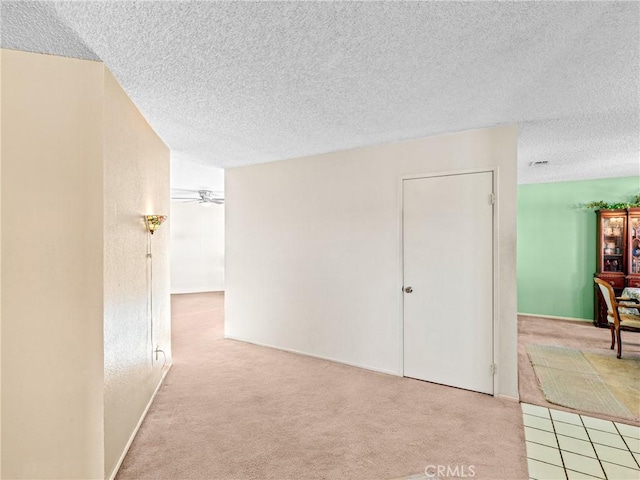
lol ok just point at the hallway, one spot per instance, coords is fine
(231, 410)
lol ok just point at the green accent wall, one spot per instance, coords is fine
(557, 243)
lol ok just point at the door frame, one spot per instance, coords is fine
(496, 253)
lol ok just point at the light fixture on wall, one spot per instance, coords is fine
(153, 222)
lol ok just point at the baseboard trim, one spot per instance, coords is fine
(114, 472)
(319, 357)
(553, 317)
(192, 292)
(508, 397)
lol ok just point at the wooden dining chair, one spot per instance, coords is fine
(619, 320)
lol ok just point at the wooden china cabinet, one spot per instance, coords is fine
(618, 255)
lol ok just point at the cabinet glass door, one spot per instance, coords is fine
(634, 245)
(612, 244)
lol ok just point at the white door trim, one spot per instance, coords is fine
(496, 252)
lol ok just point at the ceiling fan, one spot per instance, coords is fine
(203, 197)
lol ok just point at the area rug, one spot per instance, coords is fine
(568, 378)
(622, 376)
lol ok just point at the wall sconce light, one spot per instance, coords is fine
(154, 221)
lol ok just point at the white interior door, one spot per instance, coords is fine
(448, 266)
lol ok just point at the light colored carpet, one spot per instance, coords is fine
(231, 410)
(567, 378)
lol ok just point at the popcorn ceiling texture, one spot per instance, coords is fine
(35, 27)
(232, 84)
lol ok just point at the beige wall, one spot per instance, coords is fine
(136, 182)
(197, 247)
(80, 168)
(313, 248)
(52, 208)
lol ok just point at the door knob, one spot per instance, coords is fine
(408, 289)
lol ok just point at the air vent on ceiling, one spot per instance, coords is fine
(538, 163)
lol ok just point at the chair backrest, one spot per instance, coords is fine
(609, 298)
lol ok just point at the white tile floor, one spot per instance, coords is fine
(566, 446)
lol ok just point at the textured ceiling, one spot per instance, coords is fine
(230, 84)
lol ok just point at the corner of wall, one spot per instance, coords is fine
(52, 281)
(74, 136)
(136, 272)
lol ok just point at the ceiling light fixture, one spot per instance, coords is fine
(203, 196)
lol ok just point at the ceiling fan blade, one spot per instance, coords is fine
(205, 197)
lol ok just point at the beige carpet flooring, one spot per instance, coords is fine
(593, 342)
(231, 410)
